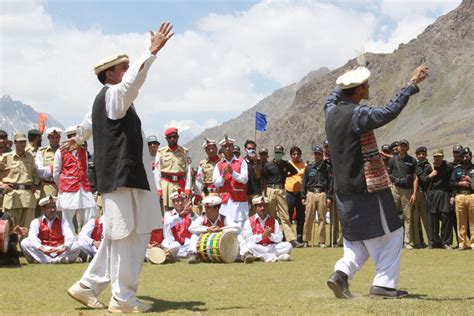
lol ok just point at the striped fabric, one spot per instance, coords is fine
(376, 175)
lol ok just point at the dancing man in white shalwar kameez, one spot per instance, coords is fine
(263, 237)
(50, 239)
(131, 206)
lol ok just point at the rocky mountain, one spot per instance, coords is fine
(439, 116)
(18, 117)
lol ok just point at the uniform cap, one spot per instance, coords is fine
(236, 149)
(353, 78)
(404, 141)
(209, 142)
(47, 200)
(385, 147)
(226, 140)
(263, 151)
(438, 152)
(19, 137)
(457, 148)
(466, 151)
(34, 132)
(71, 130)
(394, 144)
(3, 133)
(211, 200)
(325, 143)
(260, 200)
(279, 149)
(110, 61)
(152, 139)
(421, 149)
(170, 131)
(317, 149)
(51, 130)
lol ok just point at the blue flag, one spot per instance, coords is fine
(260, 122)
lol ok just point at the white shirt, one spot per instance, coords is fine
(197, 227)
(248, 235)
(87, 229)
(33, 234)
(44, 172)
(241, 177)
(172, 219)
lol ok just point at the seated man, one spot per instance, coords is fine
(210, 221)
(9, 256)
(263, 237)
(176, 224)
(90, 237)
(156, 240)
(50, 239)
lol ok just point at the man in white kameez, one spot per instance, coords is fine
(70, 175)
(131, 206)
(262, 236)
(91, 236)
(50, 239)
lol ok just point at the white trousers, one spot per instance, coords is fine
(178, 250)
(269, 253)
(32, 254)
(85, 213)
(174, 250)
(87, 249)
(119, 263)
(385, 252)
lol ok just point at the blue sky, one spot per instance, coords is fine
(225, 56)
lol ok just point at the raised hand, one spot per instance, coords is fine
(159, 38)
(419, 74)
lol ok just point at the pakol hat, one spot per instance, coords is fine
(20, 137)
(71, 130)
(109, 62)
(438, 152)
(260, 200)
(353, 78)
(211, 200)
(170, 131)
(51, 130)
(47, 199)
(209, 142)
(178, 195)
(226, 140)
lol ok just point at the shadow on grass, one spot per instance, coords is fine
(426, 298)
(163, 306)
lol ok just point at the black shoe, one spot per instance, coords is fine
(385, 292)
(296, 244)
(337, 282)
(447, 247)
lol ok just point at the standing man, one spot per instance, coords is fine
(293, 191)
(274, 177)
(153, 146)
(438, 203)
(336, 231)
(263, 155)
(402, 172)
(4, 142)
(34, 141)
(314, 194)
(126, 185)
(420, 210)
(369, 218)
(20, 182)
(394, 148)
(203, 185)
(44, 162)
(172, 169)
(230, 176)
(255, 169)
(457, 160)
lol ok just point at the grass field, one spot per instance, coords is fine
(440, 282)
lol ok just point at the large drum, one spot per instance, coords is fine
(218, 247)
(160, 255)
(4, 235)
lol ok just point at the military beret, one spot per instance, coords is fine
(466, 151)
(394, 144)
(263, 151)
(171, 130)
(404, 141)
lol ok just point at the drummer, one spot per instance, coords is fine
(156, 240)
(90, 237)
(263, 237)
(176, 224)
(50, 239)
(8, 254)
(210, 221)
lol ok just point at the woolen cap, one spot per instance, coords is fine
(110, 61)
(19, 137)
(353, 78)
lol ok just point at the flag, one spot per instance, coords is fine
(42, 118)
(260, 122)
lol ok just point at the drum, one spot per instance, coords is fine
(4, 235)
(160, 255)
(218, 247)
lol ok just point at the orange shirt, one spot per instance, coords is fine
(293, 183)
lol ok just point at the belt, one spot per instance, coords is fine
(275, 186)
(317, 190)
(465, 192)
(21, 186)
(49, 182)
(172, 177)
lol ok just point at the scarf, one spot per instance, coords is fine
(376, 175)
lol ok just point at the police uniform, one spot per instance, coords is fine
(420, 210)
(464, 199)
(316, 183)
(44, 166)
(30, 148)
(20, 202)
(457, 149)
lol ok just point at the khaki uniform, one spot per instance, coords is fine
(48, 187)
(204, 180)
(20, 202)
(464, 204)
(402, 202)
(172, 171)
(315, 202)
(279, 208)
(31, 149)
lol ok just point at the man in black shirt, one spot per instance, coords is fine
(335, 237)
(438, 202)
(263, 155)
(420, 211)
(457, 160)
(255, 168)
(274, 177)
(316, 183)
(402, 172)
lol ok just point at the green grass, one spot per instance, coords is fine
(439, 281)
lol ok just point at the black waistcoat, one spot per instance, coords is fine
(118, 149)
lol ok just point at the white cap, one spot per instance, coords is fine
(53, 129)
(47, 200)
(353, 78)
(259, 200)
(226, 140)
(209, 142)
(110, 61)
(211, 200)
(177, 195)
(71, 130)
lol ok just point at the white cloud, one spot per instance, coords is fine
(205, 69)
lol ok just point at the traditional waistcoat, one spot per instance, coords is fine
(74, 171)
(51, 237)
(180, 231)
(258, 229)
(156, 236)
(232, 189)
(219, 223)
(97, 232)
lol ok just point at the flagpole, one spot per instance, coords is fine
(255, 138)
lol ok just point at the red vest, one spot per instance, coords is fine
(220, 221)
(180, 231)
(232, 189)
(257, 228)
(74, 171)
(156, 237)
(51, 237)
(97, 232)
